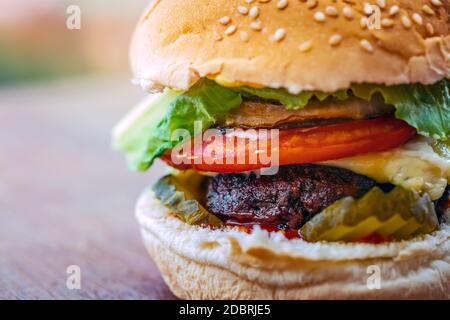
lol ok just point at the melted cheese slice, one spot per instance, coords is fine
(414, 166)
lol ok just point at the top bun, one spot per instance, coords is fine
(294, 44)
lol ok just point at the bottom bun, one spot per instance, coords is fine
(201, 263)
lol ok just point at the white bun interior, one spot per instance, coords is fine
(200, 263)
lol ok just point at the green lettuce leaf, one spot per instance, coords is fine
(146, 133)
(426, 108)
(290, 101)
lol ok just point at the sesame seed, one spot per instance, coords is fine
(249, 1)
(347, 12)
(230, 30)
(254, 12)
(394, 10)
(282, 4)
(331, 11)
(264, 1)
(417, 18)
(305, 46)
(225, 20)
(428, 10)
(406, 22)
(381, 3)
(430, 29)
(386, 22)
(363, 22)
(335, 40)
(296, 89)
(244, 36)
(243, 10)
(256, 25)
(366, 45)
(311, 4)
(367, 8)
(436, 3)
(275, 84)
(279, 34)
(319, 16)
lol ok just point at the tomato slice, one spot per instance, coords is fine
(295, 146)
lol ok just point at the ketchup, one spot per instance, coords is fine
(374, 238)
(248, 228)
(290, 234)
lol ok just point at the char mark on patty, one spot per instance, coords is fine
(285, 200)
(443, 205)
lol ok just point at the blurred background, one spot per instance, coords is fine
(65, 197)
(37, 45)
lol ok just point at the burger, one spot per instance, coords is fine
(307, 145)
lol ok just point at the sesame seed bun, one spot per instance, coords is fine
(200, 263)
(304, 45)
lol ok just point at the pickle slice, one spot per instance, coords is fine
(181, 194)
(399, 214)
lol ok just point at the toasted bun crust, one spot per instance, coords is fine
(179, 41)
(200, 263)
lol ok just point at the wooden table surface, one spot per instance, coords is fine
(66, 198)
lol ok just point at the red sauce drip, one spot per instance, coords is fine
(248, 228)
(290, 234)
(374, 238)
(447, 204)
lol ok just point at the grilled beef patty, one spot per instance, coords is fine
(285, 200)
(443, 205)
